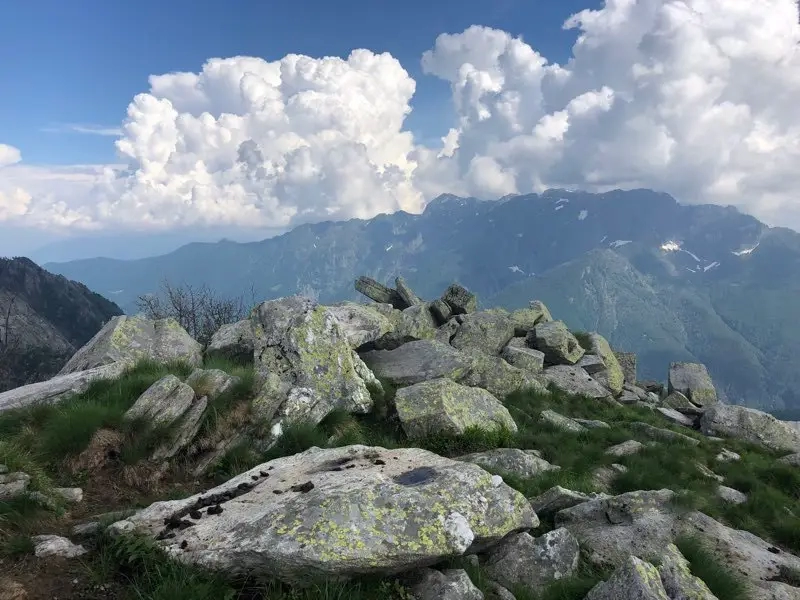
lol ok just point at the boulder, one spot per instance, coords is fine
(211, 382)
(521, 560)
(72, 495)
(338, 512)
(537, 306)
(612, 376)
(417, 361)
(635, 579)
(676, 417)
(413, 323)
(791, 459)
(442, 406)
(233, 341)
(441, 311)
(522, 463)
(681, 403)
(627, 362)
(483, 331)
(676, 577)
(304, 364)
(55, 545)
(494, 374)
(406, 293)
(750, 425)
(558, 498)
(184, 432)
(561, 422)
(127, 340)
(574, 380)
(450, 584)
(58, 388)
(460, 300)
(363, 323)
(693, 381)
(162, 403)
(625, 448)
(730, 495)
(659, 434)
(557, 342)
(13, 484)
(525, 319)
(523, 357)
(726, 455)
(591, 363)
(592, 423)
(379, 292)
(603, 477)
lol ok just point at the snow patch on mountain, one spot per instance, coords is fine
(746, 251)
(582, 215)
(618, 243)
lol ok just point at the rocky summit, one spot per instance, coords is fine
(399, 448)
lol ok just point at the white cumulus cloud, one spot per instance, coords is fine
(693, 97)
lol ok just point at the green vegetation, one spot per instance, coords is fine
(704, 565)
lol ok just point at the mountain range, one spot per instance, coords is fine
(668, 281)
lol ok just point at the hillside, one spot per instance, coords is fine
(701, 283)
(49, 318)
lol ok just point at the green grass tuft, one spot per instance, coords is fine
(705, 565)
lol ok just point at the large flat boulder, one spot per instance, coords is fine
(416, 361)
(380, 293)
(494, 374)
(127, 340)
(337, 513)
(575, 380)
(553, 338)
(484, 331)
(362, 323)
(162, 403)
(693, 381)
(442, 406)
(750, 425)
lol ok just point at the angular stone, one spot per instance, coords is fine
(72, 495)
(13, 484)
(495, 375)
(791, 459)
(730, 495)
(211, 382)
(603, 477)
(640, 393)
(442, 406)
(561, 422)
(635, 579)
(441, 311)
(592, 423)
(629, 398)
(693, 381)
(406, 293)
(677, 579)
(613, 376)
(555, 499)
(127, 340)
(526, 319)
(162, 403)
(726, 455)
(185, 431)
(627, 361)
(539, 307)
(681, 403)
(451, 584)
(413, 323)
(495, 591)
(379, 292)
(625, 448)
(676, 417)
(363, 323)
(591, 363)
(393, 511)
(750, 425)
(460, 299)
(417, 361)
(521, 560)
(708, 472)
(522, 463)
(54, 545)
(574, 380)
(483, 331)
(233, 341)
(657, 433)
(523, 358)
(557, 342)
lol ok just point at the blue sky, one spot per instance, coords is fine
(81, 62)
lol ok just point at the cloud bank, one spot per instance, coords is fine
(693, 97)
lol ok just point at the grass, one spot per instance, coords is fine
(705, 565)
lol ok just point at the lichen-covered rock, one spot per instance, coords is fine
(233, 341)
(450, 584)
(184, 432)
(574, 380)
(304, 363)
(314, 516)
(750, 425)
(539, 307)
(659, 434)
(483, 331)
(693, 381)
(522, 463)
(613, 376)
(363, 323)
(379, 292)
(442, 406)
(525, 319)
(591, 363)
(417, 361)
(593, 423)
(162, 403)
(558, 498)
(627, 361)
(561, 422)
(211, 382)
(603, 477)
(557, 342)
(625, 448)
(130, 339)
(406, 293)
(635, 579)
(494, 374)
(681, 403)
(54, 545)
(677, 579)
(460, 299)
(520, 356)
(414, 323)
(521, 560)
(675, 416)
(441, 311)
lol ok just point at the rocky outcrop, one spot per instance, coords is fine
(162, 403)
(575, 380)
(521, 463)
(693, 381)
(611, 375)
(363, 323)
(450, 584)
(557, 342)
(337, 513)
(234, 341)
(750, 425)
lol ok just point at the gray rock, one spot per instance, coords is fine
(522, 463)
(539, 307)
(627, 361)
(523, 358)
(625, 448)
(233, 341)
(127, 340)
(640, 393)
(591, 363)
(54, 545)
(162, 403)
(574, 380)
(726, 455)
(394, 511)
(708, 472)
(629, 398)
(681, 403)
(363, 323)
(417, 361)
(592, 423)
(3, 469)
(677, 579)
(460, 299)
(750, 425)
(612, 375)
(558, 498)
(13, 484)
(791, 459)
(494, 374)
(561, 422)
(441, 311)
(184, 432)
(731, 495)
(72, 495)
(603, 477)
(451, 584)
(657, 433)
(442, 406)
(495, 591)
(483, 331)
(635, 579)
(557, 342)
(521, 560)
(304, 364)
(676, 417)
(406, 293)
(526, 319)
(379, 292)
(693, 381)
(211, 382)
(58, 388)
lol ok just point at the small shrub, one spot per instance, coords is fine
(15, 546)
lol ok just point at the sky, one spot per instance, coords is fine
(188, 120)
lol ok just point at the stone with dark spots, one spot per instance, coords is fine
(416, 476)
(215, 510)
(303, 488)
